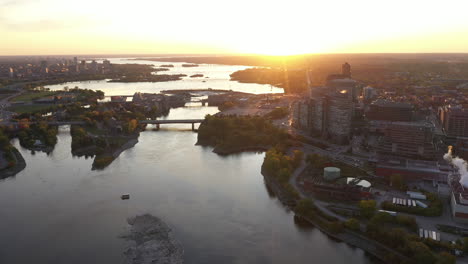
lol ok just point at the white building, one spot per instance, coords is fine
(458, 199)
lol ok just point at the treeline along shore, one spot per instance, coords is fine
(232, 134)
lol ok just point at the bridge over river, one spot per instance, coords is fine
(156, 122)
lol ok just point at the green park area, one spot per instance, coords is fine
(29, 96)
(21, 109)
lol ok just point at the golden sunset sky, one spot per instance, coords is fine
(29, 27)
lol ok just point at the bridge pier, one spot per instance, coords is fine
(193, 126)
(157, 126)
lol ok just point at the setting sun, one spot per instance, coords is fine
(208, 26)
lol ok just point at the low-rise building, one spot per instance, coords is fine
(152, 99)
(330, 184)
(410, 170)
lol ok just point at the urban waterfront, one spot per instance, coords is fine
(218, 207)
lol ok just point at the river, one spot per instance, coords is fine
(60, 211)
(57, 210)
(218, 78)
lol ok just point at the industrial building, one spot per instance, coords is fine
(330, 185)
(410, 170)
(331, 173)
(458, 199)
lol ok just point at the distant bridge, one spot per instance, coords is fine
(64, 123)
(155, 122)
(202, 101)
(173, 121)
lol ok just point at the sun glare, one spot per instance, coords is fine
(279, 47)
(206, 26)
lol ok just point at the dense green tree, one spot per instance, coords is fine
(305, 207)
(465, 245)
(446, 258)
(420, 253)
(353, 224)
(234, 132)
(367, 208)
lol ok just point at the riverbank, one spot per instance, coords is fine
(182, 91)
(234, 134)
(149, 78)
(103, 160)
(20, 164)
(130, 144)
(284, 197)
(372, 247)
(220, 150)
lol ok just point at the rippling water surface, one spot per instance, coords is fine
(58, 210)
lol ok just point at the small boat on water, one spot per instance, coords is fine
(125, 196)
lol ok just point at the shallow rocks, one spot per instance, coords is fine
(152, 242)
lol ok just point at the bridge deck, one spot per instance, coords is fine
(173, 121)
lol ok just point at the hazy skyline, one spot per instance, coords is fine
(263, 27)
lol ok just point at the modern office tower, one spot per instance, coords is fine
(454, 120)
(413, 140)
(346, 70)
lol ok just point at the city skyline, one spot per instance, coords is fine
(210, 27)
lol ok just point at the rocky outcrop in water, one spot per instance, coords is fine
(152, 242)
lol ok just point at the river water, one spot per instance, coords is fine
(57, 210)
(218, 78)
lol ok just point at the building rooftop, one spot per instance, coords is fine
(388, 103)
(421, 123)
(402, 163)
(344, 80)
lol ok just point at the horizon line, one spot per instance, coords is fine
(232, 54)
